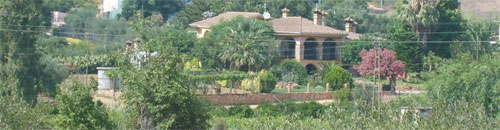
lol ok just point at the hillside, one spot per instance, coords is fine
(483, 8)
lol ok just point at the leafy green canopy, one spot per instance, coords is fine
(155, 89)
(149, 7)
(465, 79)
(77, 110)
(20, 69)
(337, 77)
(291, 71)
(338, 10)
(83, 24)
(351, 49)
(240, 44)
(194, 11)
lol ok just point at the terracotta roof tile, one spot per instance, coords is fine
(299, 25)
(228, 15)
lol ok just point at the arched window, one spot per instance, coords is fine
(310, 49)
(311, 69)
(329, 46)
(287, 48)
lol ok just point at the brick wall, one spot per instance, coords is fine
(261, 98)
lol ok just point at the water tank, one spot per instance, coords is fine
(106, 82)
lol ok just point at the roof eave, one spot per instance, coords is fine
(284, 33)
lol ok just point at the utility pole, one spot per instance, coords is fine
(382, 4)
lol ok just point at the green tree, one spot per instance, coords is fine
(351, 49)
(479, 32)
(77, 110)
(15, 113)
(83, 24)
(468, 80)
(337, 77)
(267, 80)
(338, 10)
(422, 16)
(407, 47)
(243, 44)
(17, 46)
(156, 90)
(301, 8)
(149, 7)
(291, 71)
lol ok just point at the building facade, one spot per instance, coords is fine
(309, 42)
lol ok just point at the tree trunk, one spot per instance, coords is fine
(393, 84)
(146, 120)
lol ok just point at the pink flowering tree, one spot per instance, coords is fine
(388, 65)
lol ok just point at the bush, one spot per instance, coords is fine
(291, 71)
(268, 81)
(343, 95)
(267, 109)
(77, 110)
(311, 109)
(241, 111)
(337, 77)
(251, 84)
(220, 124)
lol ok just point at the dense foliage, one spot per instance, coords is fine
(268, 81)
(77, 110)
(21, 69)
(337, 77)
(156, 90)
(83, 24)
(165, 8)
(291, 71)
(468, 80)
(240, 44)
(351, 49)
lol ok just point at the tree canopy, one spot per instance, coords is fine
(165, 8)
(242, 43)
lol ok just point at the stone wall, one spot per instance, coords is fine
(235, 99)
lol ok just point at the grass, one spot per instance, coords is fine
(302, 89)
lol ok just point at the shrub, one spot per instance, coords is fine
(311, 109)
(241, 111)
(219, 111)
(219, 124)
(291, 71)
(337, 77)
(268, 81)
(267, 109)
(343, 95)
(251, 84)
(78, 111)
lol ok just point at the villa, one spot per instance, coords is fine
(309, 42)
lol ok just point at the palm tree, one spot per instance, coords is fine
(421, 14)
(243, 42)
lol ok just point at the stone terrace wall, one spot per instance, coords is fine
(235, 99)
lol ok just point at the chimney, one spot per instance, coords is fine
(316, 16)
(323, 17)
(350, 25)
(285, 12)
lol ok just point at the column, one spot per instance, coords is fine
(299, 48)
(338, 49)
(319, 50)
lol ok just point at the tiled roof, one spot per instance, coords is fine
(288, 25)
(228, 15)
(299, 25)
(353, 36)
